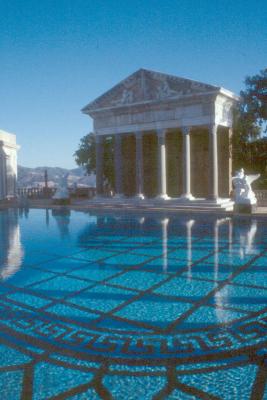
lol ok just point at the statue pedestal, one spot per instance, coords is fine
(245, 208)
(245, 199)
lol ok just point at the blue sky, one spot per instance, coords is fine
(56, 56)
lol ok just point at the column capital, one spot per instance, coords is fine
(117, 136)
(213, 129)
(138, 135)
(161, 132)
(186, 130)
(99, 139)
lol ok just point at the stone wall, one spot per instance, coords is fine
(8, 165)
(150, 165)
(200, 163)
(174, 150)
(128, 165)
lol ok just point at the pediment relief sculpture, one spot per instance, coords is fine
(145, 86)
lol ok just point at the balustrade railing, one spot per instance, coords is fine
(47, 193)
(261, 196)
(36, 192)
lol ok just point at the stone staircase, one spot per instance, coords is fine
(173, 204)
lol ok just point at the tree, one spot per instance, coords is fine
(250, 119)
(255, 99)
(85, 156)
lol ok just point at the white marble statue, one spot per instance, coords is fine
(62, 192)
(243, 193)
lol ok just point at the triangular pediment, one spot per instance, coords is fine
(146, 86)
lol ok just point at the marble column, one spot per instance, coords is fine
(186, 164)
(3, 173)
(230, 144)
(213, 163)
(118, 166)
(99, 165)
(139, 166)
(162, 175)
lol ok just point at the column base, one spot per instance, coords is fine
(216, 199)
(162, 197)
(187, 196)
(213, 197)
(139, 196)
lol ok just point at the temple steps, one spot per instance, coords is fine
(200, 205)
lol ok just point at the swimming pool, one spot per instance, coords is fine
(135, 306)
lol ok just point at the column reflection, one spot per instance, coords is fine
(219, 299)
(216, 237)
(244, 241)
(189, 225)
(11, 255)
(246, 238)
(164, 229)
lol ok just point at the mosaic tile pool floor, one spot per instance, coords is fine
(129, 307)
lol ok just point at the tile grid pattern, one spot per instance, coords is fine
(126, 286)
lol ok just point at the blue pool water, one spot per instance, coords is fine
(117, 306)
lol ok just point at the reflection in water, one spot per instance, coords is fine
(198, 250)
(216, 235)
(189, 225)
(246, 233)
(228, 241)
(164, 227)
(247, 237)
(47, 218)
(24, 208)
(218, 299)
(11, 255)
(62, 218)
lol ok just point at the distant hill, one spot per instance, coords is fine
(34, 177)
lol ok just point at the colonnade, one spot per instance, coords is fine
(3, 175)
(161, 162)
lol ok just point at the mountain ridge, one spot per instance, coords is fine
(35, 177)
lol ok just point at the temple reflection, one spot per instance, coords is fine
(242, 236)
(223, 234)
(11, 255)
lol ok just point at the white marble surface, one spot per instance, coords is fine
(243, 193)
(149, 100)
(8, 165)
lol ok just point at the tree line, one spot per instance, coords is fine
(249, 141)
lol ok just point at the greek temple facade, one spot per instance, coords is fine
(8, 165)
(172, 137)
